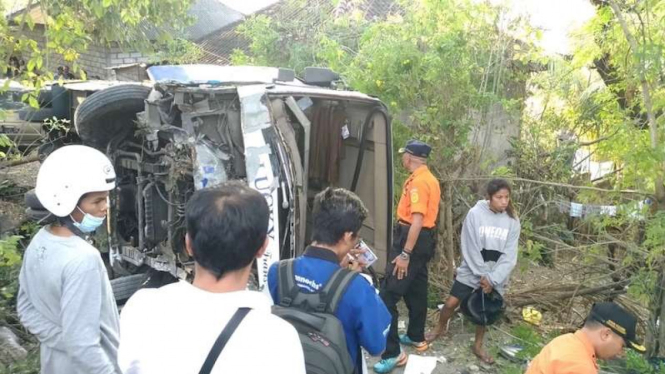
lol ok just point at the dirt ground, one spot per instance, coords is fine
(16, 180)
(453, 351)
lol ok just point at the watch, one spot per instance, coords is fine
(405, 255)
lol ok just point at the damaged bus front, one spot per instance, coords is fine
(197, 126)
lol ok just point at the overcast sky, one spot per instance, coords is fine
(557, 18)
(248, 6)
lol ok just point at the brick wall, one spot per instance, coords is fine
(95, 61)
(118, 56)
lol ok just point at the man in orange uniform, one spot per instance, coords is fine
(607, 330)
(413, 246)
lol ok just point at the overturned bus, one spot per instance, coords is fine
(196, 126)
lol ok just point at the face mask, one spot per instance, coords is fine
(89, 223)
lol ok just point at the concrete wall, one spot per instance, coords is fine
(130, 73)
(492, 134)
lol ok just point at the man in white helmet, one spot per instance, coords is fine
(65, 297)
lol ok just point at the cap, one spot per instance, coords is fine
(481, 308)
(416, 148)
(619, 320)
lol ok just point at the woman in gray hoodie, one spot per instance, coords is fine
(490, 235)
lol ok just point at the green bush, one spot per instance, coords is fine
(30, 365)
(10, 264)
(526, 336)
(637, 363)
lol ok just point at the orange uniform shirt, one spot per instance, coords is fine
(421, 194)
(566, 354)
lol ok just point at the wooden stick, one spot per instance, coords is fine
(24, 160)
(450, 250)
(523, 299)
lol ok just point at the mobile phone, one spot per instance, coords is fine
(368, 256)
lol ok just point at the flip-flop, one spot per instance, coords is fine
(485, 358)
(419, 346)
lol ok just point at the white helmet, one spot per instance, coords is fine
(69, 173)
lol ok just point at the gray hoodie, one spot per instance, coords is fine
(65, 299)
(489, 247)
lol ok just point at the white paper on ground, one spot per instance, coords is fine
(420, 365)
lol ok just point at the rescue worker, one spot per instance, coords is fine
(413, 247)
(607, 330)
(65, 297)
(490, 235)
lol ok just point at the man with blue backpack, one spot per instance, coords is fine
(317, 295)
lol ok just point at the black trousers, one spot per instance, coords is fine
(413, 287)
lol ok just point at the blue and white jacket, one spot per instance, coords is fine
(361, 311)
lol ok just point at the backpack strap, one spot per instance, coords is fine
(222, 339)
(287, 289)
(335, 288)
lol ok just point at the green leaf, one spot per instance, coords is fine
(98, 9)
(29, 21)
(33, 102)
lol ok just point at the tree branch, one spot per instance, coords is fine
(564, 185)
(596, 141)
(648, 105)
(25, 15)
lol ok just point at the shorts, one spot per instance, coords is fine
(460, 290)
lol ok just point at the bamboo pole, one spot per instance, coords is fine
(553, 184)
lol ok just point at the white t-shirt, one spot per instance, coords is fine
(173, 328)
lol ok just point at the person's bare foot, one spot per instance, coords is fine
(434, 335)
(480, 353)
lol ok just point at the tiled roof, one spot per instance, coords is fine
(209, 15)
(12, 7)
(218, 46)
